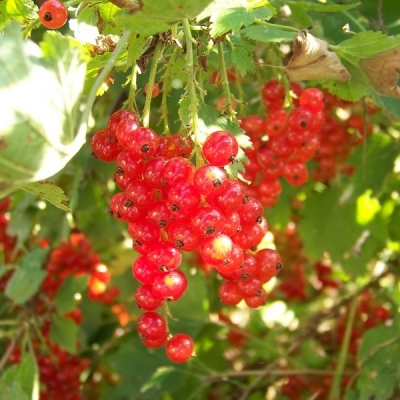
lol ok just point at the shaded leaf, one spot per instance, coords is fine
(261, 33)
(26, 280)
(64, 299)
(13, 391)
(328, 8)
(378, 355)
(230, 19)
(64, 332)
(312, 60)
(23, 374)
(157, 16)
(242, 59)
(48, 191)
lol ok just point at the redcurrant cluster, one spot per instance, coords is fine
(369, 313)
(53, 14)
(284, 143)
(293, 280)
(59, 370)
(76, 258)
(172, 207)
(324, 275)
(339, 137)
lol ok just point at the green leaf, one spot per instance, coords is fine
(242, 59)
(48, 191)
(378, 355)
(157, 16)
(230, 19)
(12, 391)
(64, 300)
(20, 10)
(64, 332)
(266, 12)
(365, 45)
(353, 89)
(260, 33)
(390, 104)
(22, 374)
(26, 280)
(40, 91)
(305, 5)
(333, 221)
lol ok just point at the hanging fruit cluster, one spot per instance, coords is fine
(173, 207)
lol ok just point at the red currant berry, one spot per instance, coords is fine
(220, 148)
(180, 348)
(209, 179)
(170, 286)
(53, 14)
(230, 294)
(151, 325)
(145, 298)
(143, 143)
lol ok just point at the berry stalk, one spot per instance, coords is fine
(158, 50)
(225, 83)
(192, 89)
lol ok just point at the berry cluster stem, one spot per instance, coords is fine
(192, 88)
(166, 82)
(83, 123)
(158, 50)
(224, 81)
(337, 378)
(133, 89)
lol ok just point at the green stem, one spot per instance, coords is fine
(11, 346)
(36, 374)
(150, 84)
(192, 90)
(224, 81)
(9, 322)
(334, 393)
(282, 27)
(83, 123)
(28, 29)
(132, 90)
(166, 83)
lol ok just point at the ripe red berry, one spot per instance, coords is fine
(53, 14)
(151, 325)
(171, 286)
(156, 89)
(220, 148)
(179, 348)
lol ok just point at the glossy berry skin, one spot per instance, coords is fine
(209, 179)
(229, 293)
(220, 148)
(165, 256)
(179, 348)
(145, 298)
(151, 325)
(216, 250)
(208, 221)
(103, 147)
(53, 14)
(171, 286)
(143, 143)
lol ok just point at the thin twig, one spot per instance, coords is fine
(11, 346)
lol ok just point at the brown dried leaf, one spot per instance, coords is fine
(383, 70)
(312, 60)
